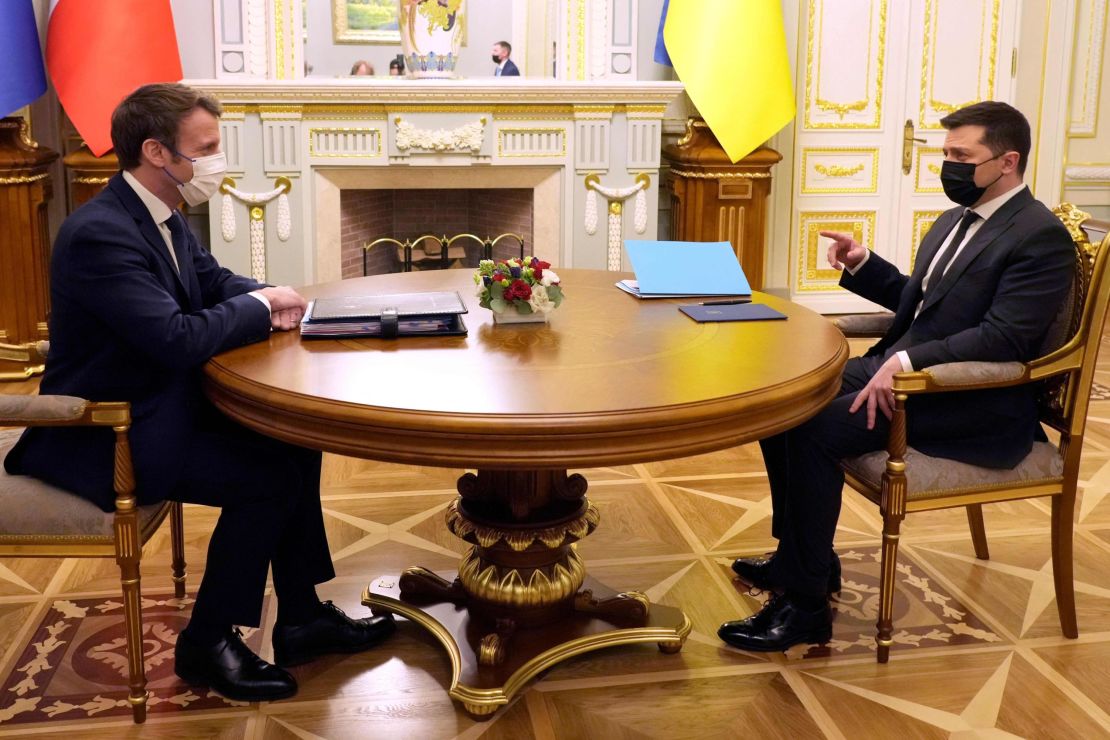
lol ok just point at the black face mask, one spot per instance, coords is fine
(958, 181)
(496, 59)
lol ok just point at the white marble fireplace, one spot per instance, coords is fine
(557, 139)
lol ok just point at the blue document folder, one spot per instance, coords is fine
(732, 312)
(670, 269)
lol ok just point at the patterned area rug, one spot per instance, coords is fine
(925, 615)
(75, 664)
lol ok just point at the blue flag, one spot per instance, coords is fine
(661, 55)
(22, 78)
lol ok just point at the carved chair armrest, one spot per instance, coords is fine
(51, 410)
(31, 357)
(962, 376)
(864, 324)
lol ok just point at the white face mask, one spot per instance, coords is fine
(208, 173)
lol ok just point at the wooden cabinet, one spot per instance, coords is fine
(25, 189)
(713, 199)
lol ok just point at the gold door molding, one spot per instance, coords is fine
(922, 222)
(844, 90)
(965, 33)
(926, 169)
(840, 169)
(814, 273)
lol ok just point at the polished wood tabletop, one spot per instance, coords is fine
(609, 380)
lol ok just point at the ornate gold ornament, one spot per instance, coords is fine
(834, 170)
(522, 588)
(519, 541)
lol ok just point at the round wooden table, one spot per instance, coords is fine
(609, 380)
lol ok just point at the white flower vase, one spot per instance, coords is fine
(514, 317)
(431, 36)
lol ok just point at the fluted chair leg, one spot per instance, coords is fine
(177, 546)
(978, 531)
(1063, 508)
(885, 625)
(128, 555)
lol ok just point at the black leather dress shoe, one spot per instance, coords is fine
(331, 632)
(231, 669)
(759, 572)
(781, 623)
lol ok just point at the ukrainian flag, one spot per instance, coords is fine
(731, 55)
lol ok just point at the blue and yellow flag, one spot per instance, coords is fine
(731, 55)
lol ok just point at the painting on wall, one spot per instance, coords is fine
(365, 22)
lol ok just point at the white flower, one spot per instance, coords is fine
(540, 302)
(549, 278)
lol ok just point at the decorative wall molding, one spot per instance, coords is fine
(1087, 67)
(468, 137)
(1088, 173)
(615, 197)
(257, 203)
(344, 141)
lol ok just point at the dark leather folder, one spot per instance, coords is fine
(385, 316)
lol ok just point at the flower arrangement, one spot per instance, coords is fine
(527, 285)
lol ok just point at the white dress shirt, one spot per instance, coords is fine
(985, 211)
(161, 214)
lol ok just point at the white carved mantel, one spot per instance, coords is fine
(326, 136)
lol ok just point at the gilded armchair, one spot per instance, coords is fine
(902, 480)
(39, 520)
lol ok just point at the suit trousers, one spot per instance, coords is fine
(269, 495)
(803, 467)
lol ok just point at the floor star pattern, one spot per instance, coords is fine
(978, 651)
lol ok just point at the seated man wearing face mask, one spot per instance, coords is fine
(989, 278)
(138, 307)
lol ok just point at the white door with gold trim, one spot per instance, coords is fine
(866, 68)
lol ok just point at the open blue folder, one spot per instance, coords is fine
(674, 269)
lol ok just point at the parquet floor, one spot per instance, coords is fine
(979, 652)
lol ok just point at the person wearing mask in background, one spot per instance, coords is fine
(505, 66)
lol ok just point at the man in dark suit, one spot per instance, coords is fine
(988, 280)
(505, 66)
(138, 307)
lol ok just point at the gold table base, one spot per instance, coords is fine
(525, 652)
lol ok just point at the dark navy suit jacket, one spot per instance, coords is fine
(126, 326)
(510, 70)
(995, 303)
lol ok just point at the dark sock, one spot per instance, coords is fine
(205, 633)
(298, 611)
(809, 602)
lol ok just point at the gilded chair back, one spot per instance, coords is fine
(1065, 397)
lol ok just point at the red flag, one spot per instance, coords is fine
(98, 51)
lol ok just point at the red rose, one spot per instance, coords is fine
(498, 276)
(518, 289)
(537, 273)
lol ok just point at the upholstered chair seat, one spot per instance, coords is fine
(39, 520)
(37, 509)
(933, 477)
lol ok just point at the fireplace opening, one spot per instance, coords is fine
(407, 214)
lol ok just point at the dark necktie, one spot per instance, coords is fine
(935, 276)
(177, 236)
